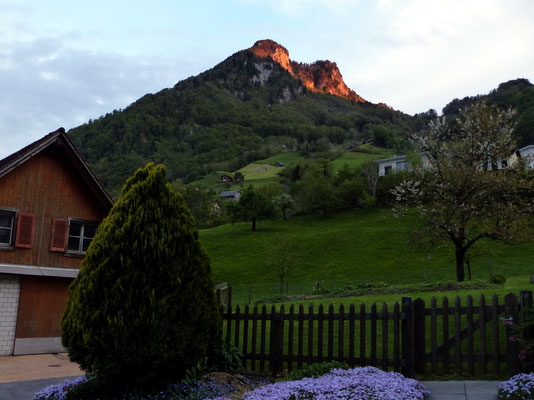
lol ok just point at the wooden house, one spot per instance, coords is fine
(51, 204)
(226, 178)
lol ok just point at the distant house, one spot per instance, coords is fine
(226, 178)
(397, 163)
(51, 204)
(230, 195)
(526, 154)
(279, 164)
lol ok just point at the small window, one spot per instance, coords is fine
(7, 227)
(81, 234)
(387, 169)
(504, 163)
(401, 165)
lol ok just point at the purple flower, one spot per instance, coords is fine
(367, 383)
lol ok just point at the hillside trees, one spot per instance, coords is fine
(461, 198)
(253, 206)
(143, 307)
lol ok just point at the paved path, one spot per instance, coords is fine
(462, 390)
(25, 390)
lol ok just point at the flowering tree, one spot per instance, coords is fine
(460, 195)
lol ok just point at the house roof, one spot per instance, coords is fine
(58, 138)
(400, 157)
(229, 193)
(526, 149)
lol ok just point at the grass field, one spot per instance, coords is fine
(356, 159)
(347, 249)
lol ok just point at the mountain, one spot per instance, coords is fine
(516, 94)
(321, 76)
(255, 104)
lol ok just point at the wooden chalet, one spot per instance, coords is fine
(51, 204)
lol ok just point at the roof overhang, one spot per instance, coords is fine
(36, 270)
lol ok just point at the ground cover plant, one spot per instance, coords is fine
(518, 387)
(367, 383)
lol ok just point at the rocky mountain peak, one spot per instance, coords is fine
(321, 76)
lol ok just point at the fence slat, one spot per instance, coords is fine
(396, 337)
(254, 337)
(290, 338)
(373, 335)
(362, 334)
(470, 337)
(245, 335)
(482, 334)
(457, 338)
(310, 334)
(495, 333)
(330, 331)
(301, 336)
(385, 336)
(434, 335)
(445, 335)
(419, 335)
(272, 344)
(236, 316)
(262, 337)
(352, 318)
(407, 342)
(341, 334)
(320, 333)
(229, 323)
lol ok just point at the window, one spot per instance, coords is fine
(7, 227)
(81, 234)
(401, 165)
(387, 169)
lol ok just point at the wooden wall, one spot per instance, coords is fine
(47, 185)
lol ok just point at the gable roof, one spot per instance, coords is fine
(58, 138)
(229, 193)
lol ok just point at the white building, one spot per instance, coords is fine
(398, 163)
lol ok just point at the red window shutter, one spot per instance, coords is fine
(25, 230)
(60, 230)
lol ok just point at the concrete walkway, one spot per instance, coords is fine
(462, 390)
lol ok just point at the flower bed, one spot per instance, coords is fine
(518, 387)
(366, 383)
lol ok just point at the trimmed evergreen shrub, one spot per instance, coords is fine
(143, 307)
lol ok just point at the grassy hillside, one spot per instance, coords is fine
(347, 249)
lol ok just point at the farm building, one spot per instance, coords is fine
(226, 178)
(230, 195)
(50, 206)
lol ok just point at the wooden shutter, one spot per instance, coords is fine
(25, 230)
(58, 238)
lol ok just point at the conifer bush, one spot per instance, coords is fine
(143, 307)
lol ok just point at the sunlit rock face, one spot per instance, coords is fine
(321, 76)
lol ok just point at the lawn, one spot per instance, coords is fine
(347, 249)
(355, 159)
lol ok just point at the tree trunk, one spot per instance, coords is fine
(254, 225)
(460, 255)
(281, 286)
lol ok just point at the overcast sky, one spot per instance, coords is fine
(64, 62)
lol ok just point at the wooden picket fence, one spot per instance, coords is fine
(408, 337)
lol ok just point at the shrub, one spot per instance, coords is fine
(314, 370)
(143, 307)
(497, 279)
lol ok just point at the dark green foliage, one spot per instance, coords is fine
(497, 279)
(253, 206)
(221, 121)
(314, 370)
(143, 307)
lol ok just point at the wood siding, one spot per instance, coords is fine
(48, 186)
(42, 302)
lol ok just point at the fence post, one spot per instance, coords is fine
(419, 335)
(512, 347)
(277, 341)
(407, 336)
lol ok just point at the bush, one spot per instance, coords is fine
(497, 279)
(143, 307)
(314, 370)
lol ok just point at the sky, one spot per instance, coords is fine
(65, 62)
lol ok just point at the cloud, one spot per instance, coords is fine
(433, 51)
(297, 7)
